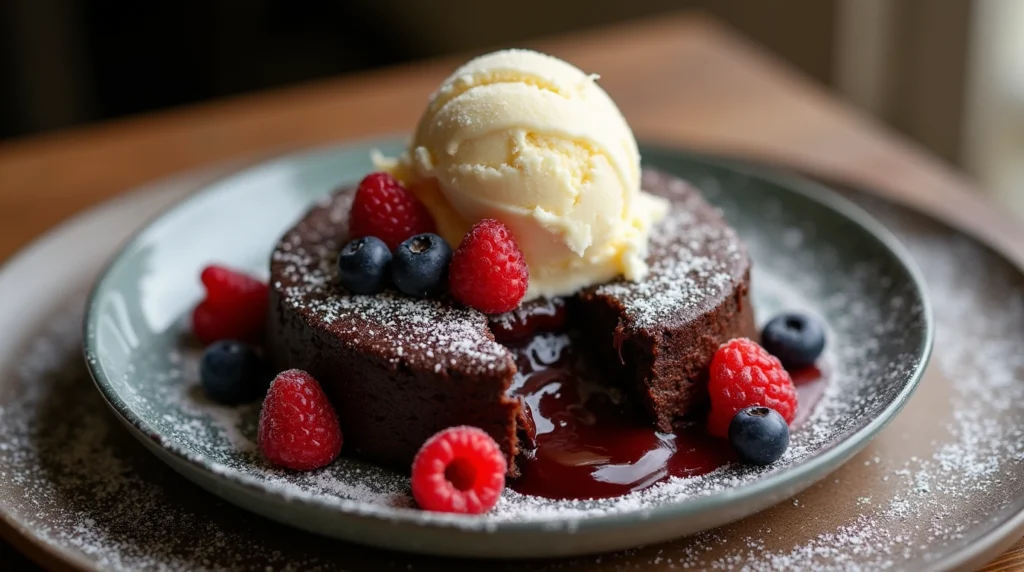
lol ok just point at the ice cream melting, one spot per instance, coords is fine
(534, 142)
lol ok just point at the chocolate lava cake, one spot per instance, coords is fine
(400, 369)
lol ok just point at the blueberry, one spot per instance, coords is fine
(421, 265)
(232, 373)
(363, 265)
(796, 339)
(759, 435)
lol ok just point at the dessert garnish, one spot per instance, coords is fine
(742, 375)
(235, 306)
(488, 271)
(298, 426)
(233, 372)
(759, 435)
(383, 208)
(419, 266)
(364, 265)
(796, 339)
(461, 470)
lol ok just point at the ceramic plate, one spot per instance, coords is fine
(813, 251)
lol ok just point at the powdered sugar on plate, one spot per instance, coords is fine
(877, 329)
(924, 506)
(76, 479)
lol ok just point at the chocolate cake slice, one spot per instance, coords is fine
(659, 335)
(399, 369)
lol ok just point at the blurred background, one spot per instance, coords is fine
(947, 73)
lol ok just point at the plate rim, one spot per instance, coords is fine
(809, 189)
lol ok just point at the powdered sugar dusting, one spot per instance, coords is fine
(79, 481)
(696, 261)
(923, 506)
(864, 379)
(427, 334)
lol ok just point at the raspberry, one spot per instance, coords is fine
(208, 326)
(384, 208)
(460, 469)
(226, 286)
(298, 426)
(743, 375)
(488, 271)
(235, 306)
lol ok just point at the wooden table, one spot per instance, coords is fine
(681, 80)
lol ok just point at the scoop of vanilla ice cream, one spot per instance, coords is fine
(534, 142)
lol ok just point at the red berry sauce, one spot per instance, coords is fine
(593, 442)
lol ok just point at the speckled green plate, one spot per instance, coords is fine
(813, 251)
